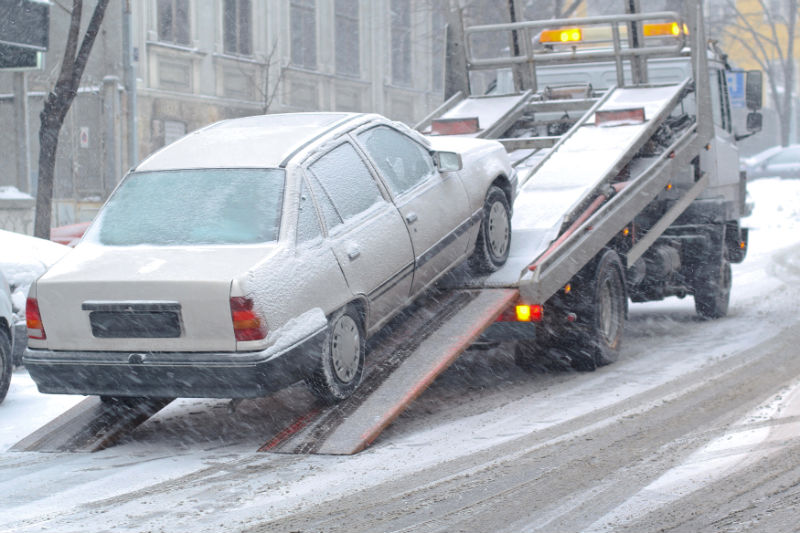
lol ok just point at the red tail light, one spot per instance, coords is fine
(522, 313)
(34, 320)
(247, 325)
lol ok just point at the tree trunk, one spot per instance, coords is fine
(57, 105)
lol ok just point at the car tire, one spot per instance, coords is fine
(494, 236)
(341, 364)
(6, 364)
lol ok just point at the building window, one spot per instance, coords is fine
(303, 26)
(173, 21)
(401, 42)
(238, 28)
(347, 49)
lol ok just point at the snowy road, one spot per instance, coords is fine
(695, 428)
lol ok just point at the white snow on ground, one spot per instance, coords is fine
(183, 443)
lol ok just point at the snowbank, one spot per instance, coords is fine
(22, 260)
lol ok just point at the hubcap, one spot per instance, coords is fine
(345, 348)
(498, 229)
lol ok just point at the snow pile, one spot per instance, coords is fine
(776, 214)
(12, 193)
(23, 259)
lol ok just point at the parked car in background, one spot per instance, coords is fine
(259, 251)
(70, 234)
(777, 161)
(6, 337)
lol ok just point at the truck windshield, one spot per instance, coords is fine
(193, 207)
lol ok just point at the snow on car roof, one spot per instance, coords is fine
(256, 141)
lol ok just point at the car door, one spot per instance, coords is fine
(434, 205)
(365, 231)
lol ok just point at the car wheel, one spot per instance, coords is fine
(5, 363)
(494, 236)
(341, 363)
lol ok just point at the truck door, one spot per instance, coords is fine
(724, 154)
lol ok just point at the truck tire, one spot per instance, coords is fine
(601, 314)
(494, 236)
(712, 290)
(712, 278)
(6, 364)
(341, 364)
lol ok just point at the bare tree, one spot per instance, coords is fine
(58, 103)
(768, 36)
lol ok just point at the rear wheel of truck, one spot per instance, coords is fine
(601, 314)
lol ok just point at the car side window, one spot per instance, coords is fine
(342, 179)
(308, 227)
(401, 161)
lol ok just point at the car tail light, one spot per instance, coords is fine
(34, 320)
(247, 325)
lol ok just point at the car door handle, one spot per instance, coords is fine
(411, 218)
(353, 252)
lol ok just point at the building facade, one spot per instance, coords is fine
(199, 61)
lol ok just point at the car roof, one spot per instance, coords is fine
(248, 142)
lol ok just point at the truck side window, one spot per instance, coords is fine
(715, 88)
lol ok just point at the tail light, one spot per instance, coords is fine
(33, 318)
(522, 313)
(247, 325)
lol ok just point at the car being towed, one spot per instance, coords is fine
(259, 251)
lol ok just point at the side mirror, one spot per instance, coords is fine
(448, 161)
(753, 92)
(754, 121)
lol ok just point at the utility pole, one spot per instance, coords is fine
(23, 132)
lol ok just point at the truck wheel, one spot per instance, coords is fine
(341, 364)
(602, 315)
(712, 290)
(5, 364)
(494, 236)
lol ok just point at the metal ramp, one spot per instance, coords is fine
(411, 359)
(403, 360)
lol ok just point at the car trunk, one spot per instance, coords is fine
(143, 298)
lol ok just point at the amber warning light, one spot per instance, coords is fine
(565, 35)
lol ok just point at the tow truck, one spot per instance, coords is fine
(620, 130)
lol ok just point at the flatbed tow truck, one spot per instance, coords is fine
(629, 190)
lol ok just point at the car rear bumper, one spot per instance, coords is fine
(173, 374)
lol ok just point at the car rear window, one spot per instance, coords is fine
(199, 206)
